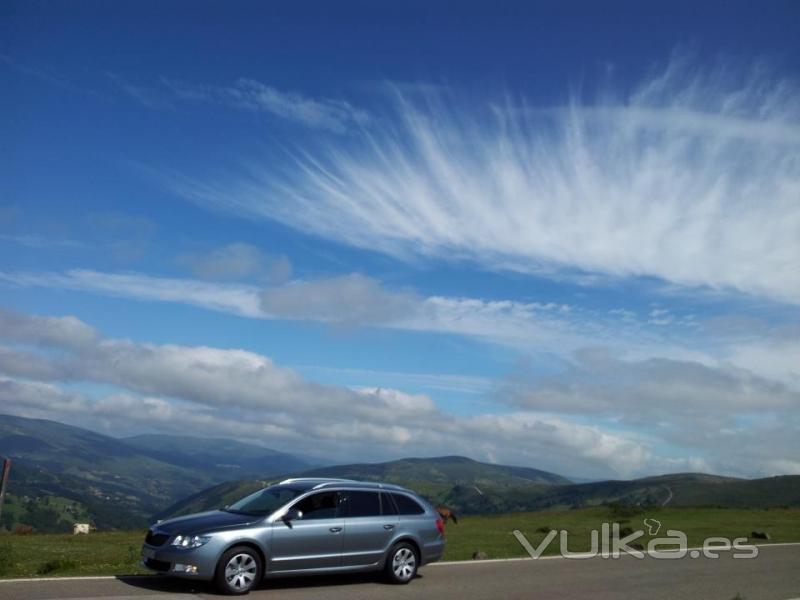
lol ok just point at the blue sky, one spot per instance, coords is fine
(552, 234)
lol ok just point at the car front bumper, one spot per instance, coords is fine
(195, 563)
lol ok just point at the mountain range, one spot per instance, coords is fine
(63, 474)
(470, 487)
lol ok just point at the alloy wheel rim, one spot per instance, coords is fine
(404, 563)
(240, 572)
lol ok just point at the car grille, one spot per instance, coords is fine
(157, 565)
(155, 539)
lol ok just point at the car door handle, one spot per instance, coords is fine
(335, 529)
(388, 527)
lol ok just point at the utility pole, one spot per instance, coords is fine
(3, 481)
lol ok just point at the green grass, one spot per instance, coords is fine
(52, 554)
(492, 534)
(117, 553)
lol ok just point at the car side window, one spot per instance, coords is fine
(407, 506)
(363, 504)
(322, 505)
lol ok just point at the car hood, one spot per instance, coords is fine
(213, 520)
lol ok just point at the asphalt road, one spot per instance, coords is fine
(773, 575)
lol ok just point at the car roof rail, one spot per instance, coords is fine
(321, 482)
(320, 479)
(363, 484)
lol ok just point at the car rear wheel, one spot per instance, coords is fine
(239, 570)
(402, 563)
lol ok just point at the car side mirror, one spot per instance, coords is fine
(292, 515)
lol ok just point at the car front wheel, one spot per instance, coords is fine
(238, 571)
(402, 563)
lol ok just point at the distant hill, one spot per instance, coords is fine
(62, 474)
(451, 470)
(225, 459)
(443, 479)
(217, 496)
(471, 487)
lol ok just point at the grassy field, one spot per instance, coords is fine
(492, 534)
(54, 554)
(117, 553)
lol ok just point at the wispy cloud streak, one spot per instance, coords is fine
(248, 94)
(355, 300)
(692, 178)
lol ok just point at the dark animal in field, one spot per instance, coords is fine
(23, 529)
(447, 514)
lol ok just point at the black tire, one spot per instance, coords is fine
(402, 563)
(239, 570)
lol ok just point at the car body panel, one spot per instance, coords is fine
(312, 544)
(367, 539)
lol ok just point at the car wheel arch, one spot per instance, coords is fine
(407, 539)
(249, 544)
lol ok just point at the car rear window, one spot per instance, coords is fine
(363, 504)
(407, 506)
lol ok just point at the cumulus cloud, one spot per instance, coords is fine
(237, 261)
(55, 331)
(735, 421)
(653, 390)
(125, 237)
(692, 178)
(243, 394)
(604, 416)
(352, 298)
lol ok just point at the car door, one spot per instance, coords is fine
(313, 541)
(370, 521)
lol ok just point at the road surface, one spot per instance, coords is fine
(773, 575)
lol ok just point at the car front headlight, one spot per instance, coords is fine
(190, 541)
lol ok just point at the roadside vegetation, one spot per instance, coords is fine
(117, 553)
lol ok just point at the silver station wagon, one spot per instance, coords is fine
(300, 527)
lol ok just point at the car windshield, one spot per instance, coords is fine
(266, 501)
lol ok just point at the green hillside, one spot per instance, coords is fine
(222, 458)
(63, 474)
(450, 470)
(217, 496)
(114, 483)
(457, 481)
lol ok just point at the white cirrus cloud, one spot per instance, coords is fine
(238, 299)
(334, 115)
(692, 178)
